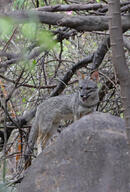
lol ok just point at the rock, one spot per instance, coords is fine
(91, 155)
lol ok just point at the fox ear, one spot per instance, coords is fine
(80, 75)
(95, 76)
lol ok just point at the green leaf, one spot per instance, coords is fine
(34, 63)
(98, 1)
(99, 85)
(29, 66)
(6, 27)
(23, 100)
(45, 38)
(122, 115)
(29, 30)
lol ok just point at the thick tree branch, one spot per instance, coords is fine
(102, 50)
(122, 4)
(14, 58)
(9, 55)
(80, 23)
(100, 53)
(72, 7)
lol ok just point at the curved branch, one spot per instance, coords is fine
(60, 87)
(100, 53)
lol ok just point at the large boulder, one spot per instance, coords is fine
(91, 155)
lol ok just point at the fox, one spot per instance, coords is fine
(64, 107)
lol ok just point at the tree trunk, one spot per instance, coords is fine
(118, 58)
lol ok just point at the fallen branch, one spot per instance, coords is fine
(80, 23)
(72, 7)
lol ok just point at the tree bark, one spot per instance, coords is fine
(118, 58)
(80, 23)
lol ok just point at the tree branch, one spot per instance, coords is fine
(72, 7)
(60, 87)
(80, 23)
(100, 53)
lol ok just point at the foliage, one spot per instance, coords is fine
(6, 28)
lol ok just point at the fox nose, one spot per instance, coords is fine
(81, 95)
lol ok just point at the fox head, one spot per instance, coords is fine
(88, 89)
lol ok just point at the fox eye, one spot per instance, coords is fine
(88, 88)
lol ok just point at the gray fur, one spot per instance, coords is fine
(65, 107)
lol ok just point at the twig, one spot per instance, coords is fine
(60, 59)
(108, 79)
(7, 44)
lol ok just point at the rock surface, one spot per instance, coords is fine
(91, 155)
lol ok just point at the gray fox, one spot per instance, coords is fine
(51, 111)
